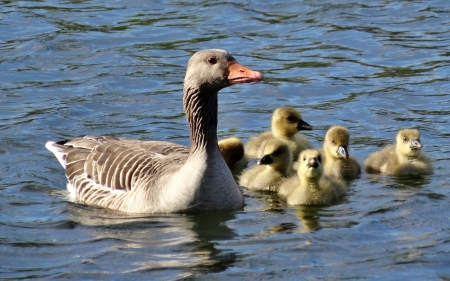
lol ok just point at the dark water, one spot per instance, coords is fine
(116, 67)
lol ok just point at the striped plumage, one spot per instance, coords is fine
(135, 176)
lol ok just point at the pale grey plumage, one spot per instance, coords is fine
(135, 176)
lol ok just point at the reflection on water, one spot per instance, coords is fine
(117, 68)
(181, 241)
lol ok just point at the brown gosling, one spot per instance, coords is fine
(286, 123)
(401, 159)
(311, 186)
(272, 168)
(337, 162)
(232, 150)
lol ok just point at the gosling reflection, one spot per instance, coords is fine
(309, 218)
(401, 182)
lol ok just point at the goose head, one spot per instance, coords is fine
(408, 142)
(336, 142)
(277, 155)
(215, 69)
(286, 122)
(310, 164)
(207, 72)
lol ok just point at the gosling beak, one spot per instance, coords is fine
(416, 145)
(265, 160)
(303, 126)
(342, 151)
(312, 163)
(241, 74)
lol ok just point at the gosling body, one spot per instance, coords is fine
(405, 158)
(232, 150)
(272, 168)
(311, 186)
(337, 162)
(286, 123)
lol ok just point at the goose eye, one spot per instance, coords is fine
(212, 60)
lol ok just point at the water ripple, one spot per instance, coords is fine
(118, 67)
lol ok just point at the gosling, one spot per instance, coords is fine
(286, 123)
(405, 158)
(311, 186)
(272, 168)
(232, 150)
(337, 162)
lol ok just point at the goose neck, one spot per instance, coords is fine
(201, 113)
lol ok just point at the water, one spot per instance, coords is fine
(69, 68)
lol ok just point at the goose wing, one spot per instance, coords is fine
(116, 163)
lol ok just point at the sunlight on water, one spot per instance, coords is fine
(116, 68)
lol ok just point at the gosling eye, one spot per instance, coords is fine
(278, 151)
(304, 158)
(291, 118)
(405, 139)
(319, 158)
(212, 60)
(333, 142)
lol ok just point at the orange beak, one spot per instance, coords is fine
(241, 74)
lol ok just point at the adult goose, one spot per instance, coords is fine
(147, 177)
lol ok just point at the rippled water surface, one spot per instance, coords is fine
(69, 68)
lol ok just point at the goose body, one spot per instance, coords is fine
(286, 123)
(402, 159)
(272, 168)
(135, 176)
(337, 162)
(310, 186)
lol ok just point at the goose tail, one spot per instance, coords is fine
(57, 148)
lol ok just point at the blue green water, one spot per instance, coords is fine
(69, 68)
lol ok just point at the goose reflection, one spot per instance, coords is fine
(172, 242)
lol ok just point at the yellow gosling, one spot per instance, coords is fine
(286, 123)
(272, 168)
(310, 186)
(401, 159)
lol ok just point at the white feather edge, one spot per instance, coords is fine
(59, 152)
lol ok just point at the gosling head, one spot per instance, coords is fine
(232, 150)
(277, 155)
(408, 142)
(310, 164)
(286, 122)
(336, 142)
